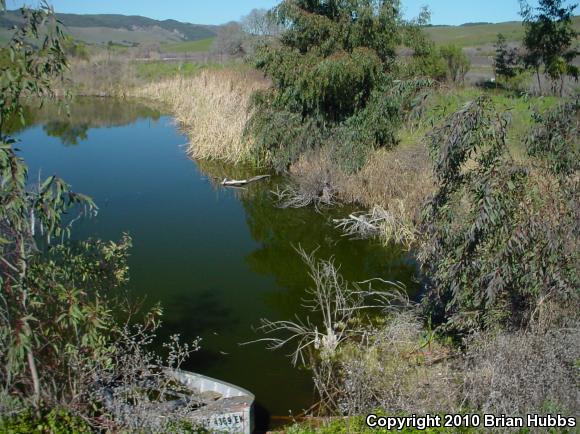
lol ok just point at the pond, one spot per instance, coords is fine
(218, 260)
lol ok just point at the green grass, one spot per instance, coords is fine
(481, 68)
(480, 34)
(199, 46)
(520, 109)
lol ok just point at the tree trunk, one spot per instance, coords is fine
(34, 375)
(539, 82)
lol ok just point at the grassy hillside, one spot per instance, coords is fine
(102, 35)
(98, 29)
(199, 46)
(178, 37)
(472, 35)
(186, 31)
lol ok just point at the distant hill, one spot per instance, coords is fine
(479, 34)
(120, 29)
(480, 23)
(179, 36)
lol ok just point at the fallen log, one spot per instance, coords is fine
(240, 183)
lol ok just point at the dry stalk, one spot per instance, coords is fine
(337, 303)
(212, 109)
(378, 223)
(295, 196)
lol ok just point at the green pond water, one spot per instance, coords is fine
(218, 260)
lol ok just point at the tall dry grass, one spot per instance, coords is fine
(102, 75)
(399, 181)
(396, 182)
(212, 109)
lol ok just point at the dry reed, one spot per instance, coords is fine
(395, 181)
(212, 109)
(398, 181)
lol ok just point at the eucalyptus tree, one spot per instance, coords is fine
(333, 73)
(51, 316)
(500, 244)
(548, 40)
(506, 62)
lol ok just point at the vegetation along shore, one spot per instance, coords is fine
(457, 144)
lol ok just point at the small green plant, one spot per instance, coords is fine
(51, 422)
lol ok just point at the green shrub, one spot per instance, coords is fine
(430, 64)
(554, 139)
(51, 422)
(457, 61)
(426, 60)
(333, 82)
(497, 241)
(76, 50)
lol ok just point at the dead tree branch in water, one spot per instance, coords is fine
(240, 183)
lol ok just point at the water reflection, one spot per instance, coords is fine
(218, 260)
(193, 315)
(280, 232)
(69, 133)
(71, 119)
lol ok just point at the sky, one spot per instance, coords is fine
(452, 12)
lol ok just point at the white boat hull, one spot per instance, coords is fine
(232, 413)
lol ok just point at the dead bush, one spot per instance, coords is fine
(393, 183)
(137, 389)
(397, 371)
(524, 372)
(368, 349)
(379, 223)
(313, 182)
